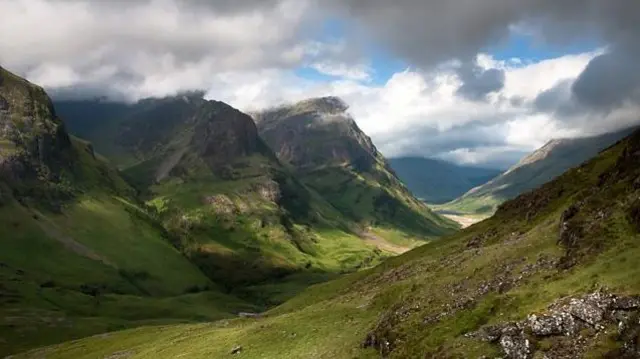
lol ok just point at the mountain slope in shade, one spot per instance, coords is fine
(224, 196)
(436, 181)
(534, 170)
(328, 151)
(553, 274)
(80, 255)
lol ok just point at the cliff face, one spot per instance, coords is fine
(316, 132)
(33, 142)
(320, 139)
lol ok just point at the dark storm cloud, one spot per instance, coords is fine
(430, 32)
(610, 80)
(477, 83)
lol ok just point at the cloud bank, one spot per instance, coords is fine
(454, 100)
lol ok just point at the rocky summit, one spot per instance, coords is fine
(322, 142)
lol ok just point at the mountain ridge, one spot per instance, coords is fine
(532, 171)
(356, 174)
(437, 181)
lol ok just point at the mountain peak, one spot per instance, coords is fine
(327, 104)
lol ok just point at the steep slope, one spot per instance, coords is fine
(226, 200)
(553, 274)
(328, 151)
(436, 181)
(79, 255)
(531, 172)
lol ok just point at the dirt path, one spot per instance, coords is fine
(464, 221)
(382, 244)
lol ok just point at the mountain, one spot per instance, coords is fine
(329, 153)
(230, 204)
(552, 274)
(80, 254)
(436, 181)
(534, 170)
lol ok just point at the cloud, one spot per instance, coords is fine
(156, 47)
(454, 101)
(422, 113)
(429, 33)
(477, 82)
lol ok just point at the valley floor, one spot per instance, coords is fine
(464, 220)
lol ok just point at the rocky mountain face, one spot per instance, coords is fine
(332, 155)
(35, 146)
(435, 181)
(73, 232)
(315, 133)
(221, 192)
(534, 170)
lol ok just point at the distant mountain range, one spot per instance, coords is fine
(536, 169)
(436, 181)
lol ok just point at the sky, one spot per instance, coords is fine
(472, 82)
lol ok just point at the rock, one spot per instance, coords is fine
(490, 334)
(587, 311)
(236, 350)
(516, 346)
(269, 191)
(626, 303)
(545, 325)
(222, 204)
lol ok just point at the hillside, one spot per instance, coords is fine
(436, 181)
(531, 172)
(79, 254)
(552, 274)
(329, 153)
(229, 204)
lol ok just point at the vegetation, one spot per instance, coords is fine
(533, 171)
(572, 236)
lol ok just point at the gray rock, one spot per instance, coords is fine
(516, 346)
(626, 303)
(587, 311)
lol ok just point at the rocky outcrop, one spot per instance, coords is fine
(316, 132)
(35, 148)
(223, 134)
(578, 321)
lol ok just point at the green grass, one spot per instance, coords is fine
(394, 299)
(485, 205)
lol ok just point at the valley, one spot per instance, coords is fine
(202, 221)
(306, 179)
(554, 255)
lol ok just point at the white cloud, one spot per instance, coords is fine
(358, 72)
(418, 113)
(153, 47)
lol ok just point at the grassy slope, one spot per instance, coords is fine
(394, 299)
(51, 262)
(245, 240)
(377, 199)
(538, 168)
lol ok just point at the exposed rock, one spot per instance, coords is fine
(568, 319)
(236, 350)
(269, 190)
(555, 323)
(222, 204)
(515, 345)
